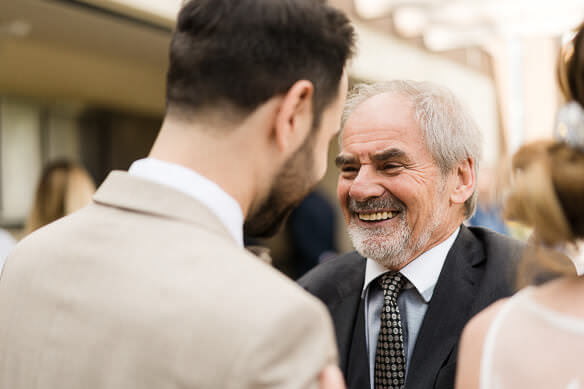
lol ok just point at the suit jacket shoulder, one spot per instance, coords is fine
(500, 257)
(148, 283)
(498, 248)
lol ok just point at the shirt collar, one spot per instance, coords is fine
(422, 272)
(186, 180)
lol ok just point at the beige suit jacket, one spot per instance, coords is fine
(145, 288)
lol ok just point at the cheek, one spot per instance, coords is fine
(421, 205)
(319, 167)
(324, 157)
(404, 188)
(342, 193)
(321, 157)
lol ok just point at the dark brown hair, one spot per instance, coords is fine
(237, 54)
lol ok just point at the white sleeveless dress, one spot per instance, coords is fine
(531, 346)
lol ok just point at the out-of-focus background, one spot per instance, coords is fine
(84, 80)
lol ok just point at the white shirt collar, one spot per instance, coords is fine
(422, 272)
(195, 185)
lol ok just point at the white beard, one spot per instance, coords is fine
(391, 247)
(388, 248)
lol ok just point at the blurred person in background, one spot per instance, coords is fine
(149, 286)
(311, 229)
(408, 174)
(535, 339)
(488, 212)
(64, 187)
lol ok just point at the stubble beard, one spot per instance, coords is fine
(291, 185)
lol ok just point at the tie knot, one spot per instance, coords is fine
(392, 283)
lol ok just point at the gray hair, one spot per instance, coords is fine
(450, 132)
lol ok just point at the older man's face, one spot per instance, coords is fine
(394, 197)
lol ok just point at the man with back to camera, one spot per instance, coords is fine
(149, 286)
(408, 171)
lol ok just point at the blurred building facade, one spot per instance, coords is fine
(84, 79)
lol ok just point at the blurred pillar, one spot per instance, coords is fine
(540, 86)
(527, 91)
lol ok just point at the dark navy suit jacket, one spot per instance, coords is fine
(479, 269)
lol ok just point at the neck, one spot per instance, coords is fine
(214, 153)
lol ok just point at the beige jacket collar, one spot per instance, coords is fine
(122, 190)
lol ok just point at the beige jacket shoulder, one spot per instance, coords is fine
(145, 288)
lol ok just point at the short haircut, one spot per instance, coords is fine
(237, 54)
(450, 132)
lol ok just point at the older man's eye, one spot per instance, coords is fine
(348, 169)
(390, 166)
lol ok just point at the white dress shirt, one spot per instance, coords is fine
(422, 274)
(195, 185)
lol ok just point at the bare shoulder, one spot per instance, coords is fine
(472, 344)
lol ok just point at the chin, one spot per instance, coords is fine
(388, 258)
(392, 263)
(389, 250)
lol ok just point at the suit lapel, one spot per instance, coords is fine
(448, 311)
(358, 361)
(344, 307)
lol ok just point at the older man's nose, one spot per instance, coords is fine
(364, 187)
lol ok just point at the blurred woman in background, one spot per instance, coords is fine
(535, 339)
(64, 187)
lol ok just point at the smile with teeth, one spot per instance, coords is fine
(377, 216)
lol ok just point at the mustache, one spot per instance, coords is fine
(376, 203)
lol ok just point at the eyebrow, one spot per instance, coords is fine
(383, 155)
(345, 159)
(380, 156)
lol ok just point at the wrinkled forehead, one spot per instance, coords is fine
(381, 110)
(383, 121)
(358, 102)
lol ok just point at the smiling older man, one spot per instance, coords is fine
(408, 173)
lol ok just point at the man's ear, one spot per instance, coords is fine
(465, 181)
(294, 118)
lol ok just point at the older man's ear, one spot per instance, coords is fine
(465, 182)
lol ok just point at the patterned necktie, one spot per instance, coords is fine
(390, 361)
